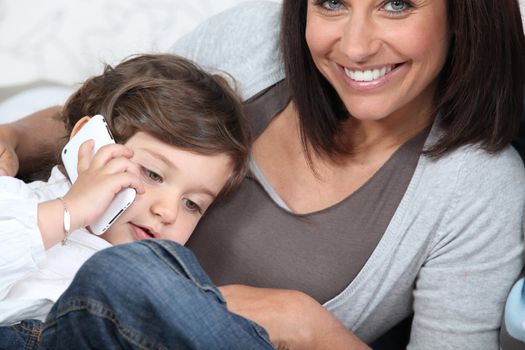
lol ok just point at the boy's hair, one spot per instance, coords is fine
(171, 99)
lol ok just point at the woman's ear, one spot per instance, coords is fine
(79, 125)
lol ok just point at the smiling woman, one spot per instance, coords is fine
(382, 59)
(364, 205)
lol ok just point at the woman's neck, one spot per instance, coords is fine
(280, 155)
(368, 137)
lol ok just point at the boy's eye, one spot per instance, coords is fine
(191, 205)
(151, 175)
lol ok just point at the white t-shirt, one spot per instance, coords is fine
(31, 278)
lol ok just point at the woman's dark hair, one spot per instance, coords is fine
(480, 92)
(171, 99)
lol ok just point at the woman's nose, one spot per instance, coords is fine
(359, 40)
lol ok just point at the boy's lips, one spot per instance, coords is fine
(143, 232)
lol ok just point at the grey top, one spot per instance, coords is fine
(318, 253)
(454, 245)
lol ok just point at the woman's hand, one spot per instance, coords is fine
(293, 319)
(100, 178)
(36, 139)
(8, 158)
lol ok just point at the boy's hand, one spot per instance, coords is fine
(100, 178)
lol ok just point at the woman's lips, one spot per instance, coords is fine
(369, 75)
(383, 77)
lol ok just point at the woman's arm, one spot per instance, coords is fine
(31, 143)
(475, 257)
(292, 319)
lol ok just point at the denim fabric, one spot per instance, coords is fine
(146, 295)
(21, 336)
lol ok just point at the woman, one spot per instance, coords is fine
(365, 195)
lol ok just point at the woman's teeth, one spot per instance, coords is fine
(367, 75)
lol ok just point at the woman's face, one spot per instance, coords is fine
(382, 57)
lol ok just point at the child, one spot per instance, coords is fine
(181, 143)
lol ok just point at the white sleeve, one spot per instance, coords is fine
(477, 255)
(242, 41)
(21, 245)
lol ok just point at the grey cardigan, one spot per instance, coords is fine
(453, 247)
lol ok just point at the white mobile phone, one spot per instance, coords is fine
(96, 129)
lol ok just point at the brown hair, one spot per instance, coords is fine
(481, 85)
(171, 99)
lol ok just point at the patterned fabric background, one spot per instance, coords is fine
(65, 41)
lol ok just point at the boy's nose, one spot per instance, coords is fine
(166, 210)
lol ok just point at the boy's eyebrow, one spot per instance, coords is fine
(161, 157)
(165, 160)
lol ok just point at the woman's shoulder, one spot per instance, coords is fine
(472, 162)
(242, 41)
(489, 168)
(470, 184)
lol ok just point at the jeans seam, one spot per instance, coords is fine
(24, 329)
(153, 245)
(180, 261)
(33, 339)
(30, 334)
(36, 334)
(261, 332)
(100, 310)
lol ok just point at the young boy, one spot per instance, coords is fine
(181, 143)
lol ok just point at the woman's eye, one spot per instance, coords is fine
(396, 6)
(151, 175)
(331, 5)
(191, 206)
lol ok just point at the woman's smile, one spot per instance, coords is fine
(368, 75)
(370, 78)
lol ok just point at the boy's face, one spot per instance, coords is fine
(179, 187)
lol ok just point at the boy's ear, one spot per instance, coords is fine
(79, 125)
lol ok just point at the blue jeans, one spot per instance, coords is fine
(146, 295)
(24, 335)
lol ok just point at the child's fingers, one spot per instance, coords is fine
(85, 155)
(126, 180)
(120, 165)
(108, 152)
